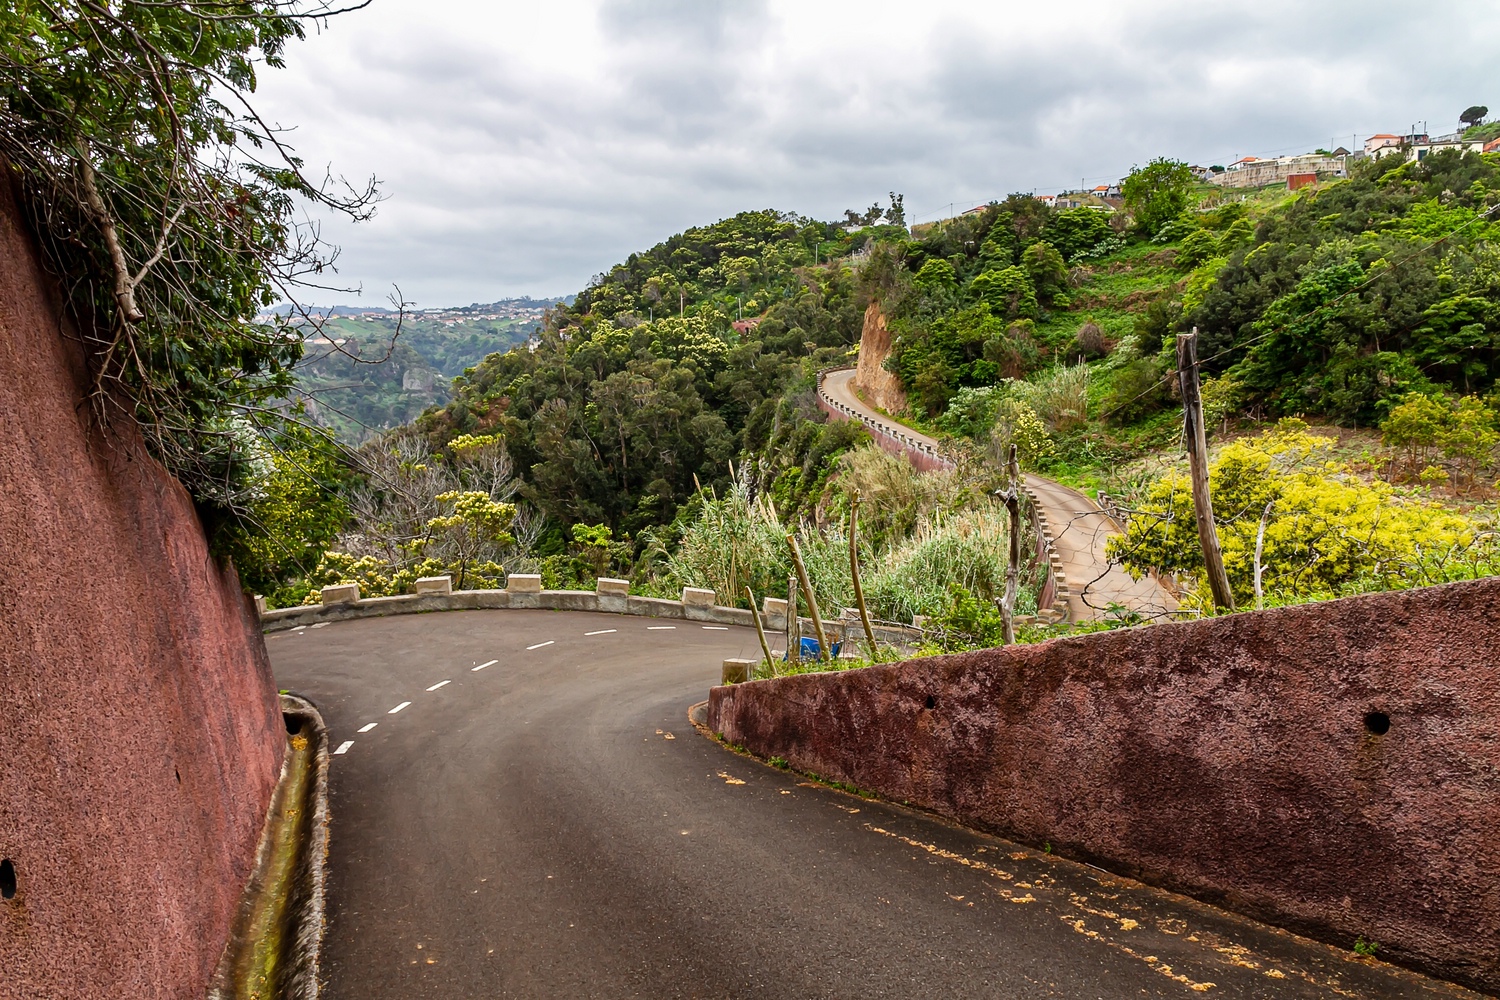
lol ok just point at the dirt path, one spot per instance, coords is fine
(1080, 527)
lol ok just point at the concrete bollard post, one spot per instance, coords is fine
(697, 597)
(260, 605)
(919, 621)
(773, 610)
(737, 671)
(434, 585)
(340, 593)
(524, 583)
(607, 587)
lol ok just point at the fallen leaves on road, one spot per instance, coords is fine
(730, 779)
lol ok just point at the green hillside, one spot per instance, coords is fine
(677, 389)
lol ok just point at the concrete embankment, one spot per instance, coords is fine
(1334, 768)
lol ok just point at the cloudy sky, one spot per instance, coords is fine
(523, 147)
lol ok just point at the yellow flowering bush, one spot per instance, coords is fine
(1323, 531)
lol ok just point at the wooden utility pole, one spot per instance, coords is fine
(1012, 498)
(1197, 449)
(859, 591)
(810, 597)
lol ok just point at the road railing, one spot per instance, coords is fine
(342, 602)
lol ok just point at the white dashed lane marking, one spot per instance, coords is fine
(398, 708)
(438, 685)
(344, 747)
(659, 628)
(541, 644)
(602, 631)
(368, 726)
(482, 666)
(717, 628)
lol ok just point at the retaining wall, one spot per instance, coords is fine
(140, 736)
(1334, 768)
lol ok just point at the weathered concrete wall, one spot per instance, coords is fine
(878, 386)
(1236, 759)
(140, 736)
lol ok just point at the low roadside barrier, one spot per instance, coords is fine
(343, 603)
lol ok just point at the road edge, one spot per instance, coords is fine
(275, 948)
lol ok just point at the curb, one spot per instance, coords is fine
(274, 951)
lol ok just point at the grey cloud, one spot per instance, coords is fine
(509, 175)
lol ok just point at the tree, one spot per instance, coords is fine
(1474, 115)
(896, 214)
(1470, 437)
(1157, 193)
(168, 206)
(1415, 426)
(1044, 265)
(475, 524)
(1077, 230)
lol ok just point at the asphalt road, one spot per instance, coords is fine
(552, 826)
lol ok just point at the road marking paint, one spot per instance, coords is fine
(602, 631)
(321, 625)
(344, 747)
(298, 628)
(541, 644)
(717, 628)
(438, 685)
(482, 666)
(398, 708)
(368, 726)
(659, 628)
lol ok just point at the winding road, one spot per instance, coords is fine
(520, 808)
(1081, 527)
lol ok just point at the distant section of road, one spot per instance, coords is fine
(521, 809)
(1081, 528)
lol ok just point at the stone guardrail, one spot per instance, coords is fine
(343, 603)
(1053, 600)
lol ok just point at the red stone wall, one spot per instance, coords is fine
(1229, 758)
(140, 737)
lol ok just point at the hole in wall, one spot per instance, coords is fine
(293, 724)
(1378, 723)
(7, 879)
(931, 702)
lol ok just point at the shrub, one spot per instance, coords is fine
(1138, 391)
(1328, 531)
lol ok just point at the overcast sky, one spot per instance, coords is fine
(523, 147)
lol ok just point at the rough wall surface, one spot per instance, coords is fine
(879, 387)
(140, 736)
(1237, 759)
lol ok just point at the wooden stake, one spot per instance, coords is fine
(793, 623)
(760, 632)
(1012, 498)
(810, 597)
(859, 592)
(1197, 449)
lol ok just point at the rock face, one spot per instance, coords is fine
(140, 735)
(879, 387)
(1332, 767)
